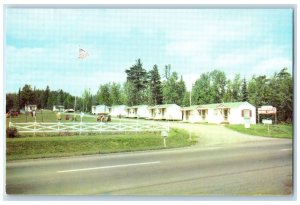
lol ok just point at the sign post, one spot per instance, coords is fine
(81, 116)
(164, 134)
(267, 122)
(267, 110)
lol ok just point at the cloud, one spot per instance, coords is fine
(269, 65)
(45, 42)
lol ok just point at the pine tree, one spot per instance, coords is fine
(137, 76)
(244, 91)
(155, 86)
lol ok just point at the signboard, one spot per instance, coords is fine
(164, 134)
(266, 110)
(267, 122)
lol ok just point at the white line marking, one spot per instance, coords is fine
(286, 150)
(107, 167)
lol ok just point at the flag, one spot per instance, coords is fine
(82, 54)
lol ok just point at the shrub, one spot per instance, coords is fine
(11, 132)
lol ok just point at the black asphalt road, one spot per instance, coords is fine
(252, 168)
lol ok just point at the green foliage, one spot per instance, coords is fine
(137, 76)
(218, 83)
(87, 100)
(236, 89)
(103, 95)
(244, 91)
(27, 96)
(39, 147)
(201, 91)
(155, 87)
(117, 97)
(276, 131)
(173, 89)
(186, 99)
(11, 132)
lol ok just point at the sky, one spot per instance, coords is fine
(42, 45)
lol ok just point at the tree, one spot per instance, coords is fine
(45, 97)
(174, 90)
(137, 76)
(201, 91)
(115, 93)
(27, 95)
(244, 91)
(60, 97)
(87, 100)
(155, 86)
(282, 94)
(167, 73)
(218, 83)
(236, 89)
(9, 102)
(259, 90)
(229, 92)
(19, 100)
(186, 99)
(181, 90)
(103, 95)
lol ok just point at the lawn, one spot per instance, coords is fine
(49, 116)
(276, 131)
(57, 146)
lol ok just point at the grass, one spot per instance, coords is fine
(48, 116)
(58, 146)
(276, 131)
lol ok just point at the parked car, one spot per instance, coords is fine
(103, 117)
(12, 113)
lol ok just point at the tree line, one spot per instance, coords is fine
(149, 87)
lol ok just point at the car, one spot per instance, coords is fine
(12, 113)
(103, 117)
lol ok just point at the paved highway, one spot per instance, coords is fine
(250, 168)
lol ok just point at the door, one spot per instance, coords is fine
(225, 115)
(203, 114)
(187, 113)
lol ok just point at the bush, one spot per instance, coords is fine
(11, 132)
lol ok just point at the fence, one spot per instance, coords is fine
(100, 127)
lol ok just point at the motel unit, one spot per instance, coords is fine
(118, 111)
(165, 112)
(100, 109)
(138, 111)
(220, 113)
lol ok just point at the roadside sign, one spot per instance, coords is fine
(164, 134)
(267, 122)
(81, 114)
(267, 110)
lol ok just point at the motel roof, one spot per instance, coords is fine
(221, 105)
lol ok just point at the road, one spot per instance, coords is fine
(243, 169)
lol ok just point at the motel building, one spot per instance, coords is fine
(118, 110)
(58, 108)
(29, 108)
(138, 111)
(165, 112)
(220, 113)
(100, 109)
